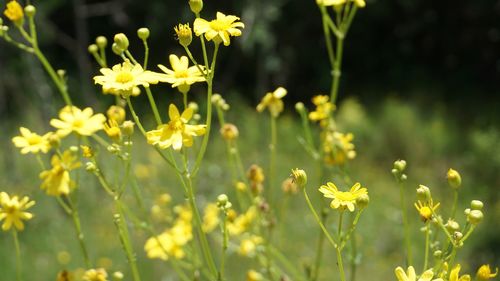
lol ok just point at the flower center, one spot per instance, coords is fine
(78, 123)
(181, 74)
(34, 139)
(425, 213)
(218, 26)
(345, 196)
(176, 125)
(124, 77)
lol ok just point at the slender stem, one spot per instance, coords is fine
(21, 46)
(190, 55)
(286, 263)
(405, 224)
(18, 255)
(337, 70)
(225, 239)
(79, 233)
(125, 239)
(204, 143)
(318, 220)
(185, 100)
(146, 54)
(203, 48)
(153, 106)
(325, 18)
(426, 255)
(129, 55)
(341, 219)
(340, 264)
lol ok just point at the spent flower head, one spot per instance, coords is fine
(343, 199)
(177, 132)
(220, 29)
(426, 210)
(123, 78)
(82, 122)
(13, 211)
(184, 34)
(484, 273)
(181, 75)
(30, 142)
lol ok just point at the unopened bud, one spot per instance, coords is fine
(30, 11)
(101, 42)
(73, 148)
(229, 132)
(93, 48)
(116, 113)
(117, 276)
(400, 165)
(454, 179)
(299, 107)
(457, 235)
(423, 193)
(116, 49)
(143, 33)
(241, 186)
(216, 98)
(452, 225)
(476, 205)
(362, 201)
(467, 211)
(90, 167)
(128, 127)
(194, 106)
(196, 6)
(475, 217)
(300, 177)
(121, 41)
(184, 34)
(438, 253)
(61, 73)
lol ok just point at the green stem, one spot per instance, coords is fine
(426, 255)
(79, 233)
(129, 55)
(318, 220)
(153, 106)
(339, 250)
(204, 143)
(125, 239)
(190, 55)
(225, 239)
(146, 54)
(336, 72)
(325, 17)
(18, 255)
(405, 225)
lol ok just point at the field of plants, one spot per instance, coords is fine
(170, 174)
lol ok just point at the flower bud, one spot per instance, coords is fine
(116, 113)
(467, 211)
(475, 217)
(73, 148)
(184, 34)
(93, 48)
(289, 186)
(457, 235)
(117, 276)
(90, 167)
(61, 73)
(116, 49)
(438, 253)
(400, 165)
(14, 12)
(423, 193)
(194, 106)
(362, 201)
(128, 127)
(476, 205)
(196, 6)
(121, 41)
(143, 33)
(454, 179)
(30, 11)
(300, 177)
(241, 186)
(216, 98)
(452, 225)
(101, 42)
(229, 132)
(299, 107)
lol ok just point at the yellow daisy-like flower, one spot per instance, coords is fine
(218, 29)
(123, 78)
(13, 211)
(99, 274)
(57, 181)
(426, 209)
(323, 109)
(455, 275)
(14, 12)
(181, 75)
(273, 102)
(82, 122)
(343, 199)
(30, 142)
(177, 132)
(338, 147)
(411, 276)
(484, 273)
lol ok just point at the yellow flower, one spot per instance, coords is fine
(454, 275)
(323, 109)
(31, 142)
(484, 273)
(116, 113)
(426, 209)
(249, 245)
(411, 276)
(13, 211)
(253, 275)
(343, 199)
(14, 12)
(123, 78)
(184, 34)
(331, 2)
(218, 29)
(113, 130)
(82, 122)
(57, 181)
(243, 222)
(99, 274)
(338, 147)
(181, 75)
(177, 132)
(273, 102)
(211, 218)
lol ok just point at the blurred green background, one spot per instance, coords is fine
(421, 82)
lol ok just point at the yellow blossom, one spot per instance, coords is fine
(116, 113)
(30, 142)
(253, 275)
(484, 273)
(181, 75)
(82, 122)
(323, 110)
(249, 245)
(331, 2)
(455, 276)
(99, 274)
(338, 147)
(343, 199)
(57, 181)
(113, 130)
(177, 132)
(411, 276)
(211, 218)
(123, 78)
(184, 34)
(273, 102)
(243, 222)
(256, 177)
(13, 211)
(426, 209)
(218, 29)
(14, 12)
